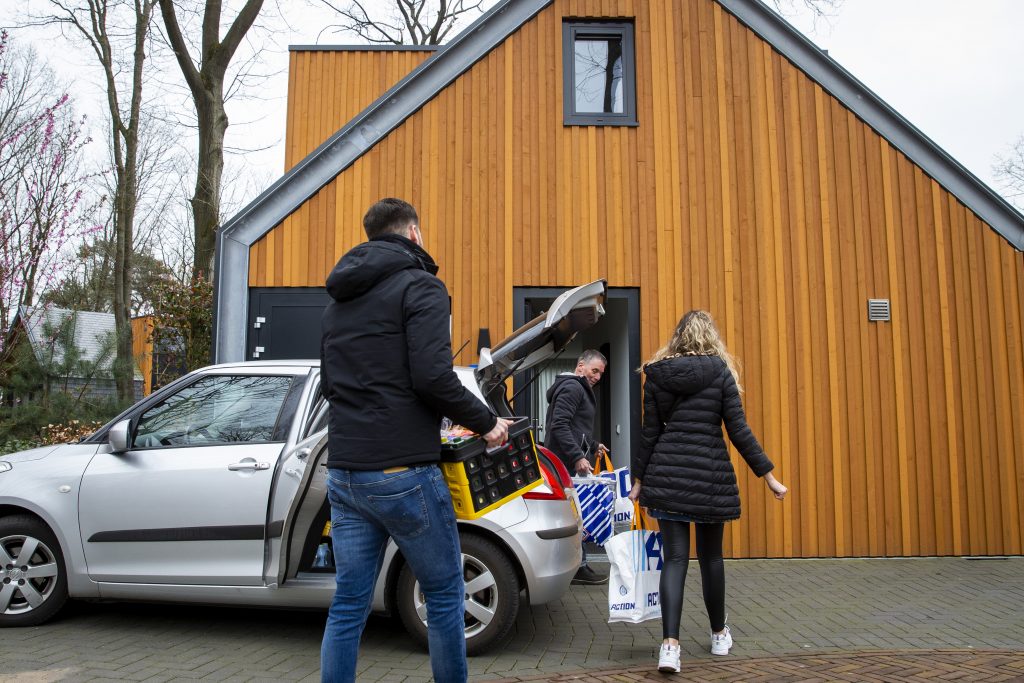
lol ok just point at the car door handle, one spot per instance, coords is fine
(248, 464)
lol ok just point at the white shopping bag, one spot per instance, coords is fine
(622, 513)
(635, 560)
(622, 508)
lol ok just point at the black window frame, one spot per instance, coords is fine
(572, 29)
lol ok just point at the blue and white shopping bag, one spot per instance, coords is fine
(622, 508)
(597, 498)
(633, 582)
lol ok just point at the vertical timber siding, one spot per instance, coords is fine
(327, 88)
(750, 191)
(142, 350)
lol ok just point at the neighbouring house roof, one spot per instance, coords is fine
(93, 335)
(411, 93)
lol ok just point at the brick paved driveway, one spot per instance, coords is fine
(991, 666)
(828, 608)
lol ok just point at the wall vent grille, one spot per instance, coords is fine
(878, 310)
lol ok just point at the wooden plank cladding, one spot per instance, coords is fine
(142, 350)
(748, 190)
(328, 87)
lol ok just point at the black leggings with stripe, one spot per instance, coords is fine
(675, 538)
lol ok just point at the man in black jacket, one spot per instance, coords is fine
(386, 372)
(569, 429)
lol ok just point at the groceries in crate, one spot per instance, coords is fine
(480, 478)
(453, 435)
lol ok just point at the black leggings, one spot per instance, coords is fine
(675, 537)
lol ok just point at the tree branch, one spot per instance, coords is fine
(180, 48)
(210, 33)
(239, 27)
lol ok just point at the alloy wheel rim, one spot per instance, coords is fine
(481, 596)
(28, 574)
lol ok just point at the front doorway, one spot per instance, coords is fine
(617, 336)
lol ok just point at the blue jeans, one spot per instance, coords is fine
(413, 507)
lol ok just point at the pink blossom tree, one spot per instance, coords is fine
(45, 198)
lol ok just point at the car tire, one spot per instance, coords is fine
(498, 598)
(39, 578)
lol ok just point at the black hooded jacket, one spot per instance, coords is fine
(569, 424)
(386, 359)
(682, 463)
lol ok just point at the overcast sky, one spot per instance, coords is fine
(953, 68)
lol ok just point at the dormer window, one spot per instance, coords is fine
(600, 73)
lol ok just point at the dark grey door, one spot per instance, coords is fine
(284, 322)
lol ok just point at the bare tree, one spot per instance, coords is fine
(89, 284)
(430, 22)
(414, 22)
(118, 33)
(1009, 171)
(205, 76)
(820, 9)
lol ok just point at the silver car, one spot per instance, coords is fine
(213, 490)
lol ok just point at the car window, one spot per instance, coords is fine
(317, 416)
(217, 409)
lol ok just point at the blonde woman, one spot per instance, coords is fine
(682, 472)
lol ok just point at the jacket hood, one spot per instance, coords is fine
(685, 374)
(370, 263)
(562, 379)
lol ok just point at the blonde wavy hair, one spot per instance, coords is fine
(697, 335)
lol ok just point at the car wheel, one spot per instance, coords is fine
(33, 581)
(491, 607)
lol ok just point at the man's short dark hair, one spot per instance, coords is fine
(388, 216)
(592, 354)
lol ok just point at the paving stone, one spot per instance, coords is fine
(778, 608)
(884, 666)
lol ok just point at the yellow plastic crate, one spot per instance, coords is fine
(481, 479)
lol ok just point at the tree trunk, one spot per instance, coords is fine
(29, 293)
(124, 364)
(213, 123)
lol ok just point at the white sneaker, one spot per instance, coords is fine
(668, 658)
(721, 642)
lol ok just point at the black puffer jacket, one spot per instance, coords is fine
(569, 423)
(386, 359)
(683, 464)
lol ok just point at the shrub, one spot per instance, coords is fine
(15, 445)
(182, 328)
(39, 407)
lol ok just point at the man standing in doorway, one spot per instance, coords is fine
(569, 429)
(386, 372)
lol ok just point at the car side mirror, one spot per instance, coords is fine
(117, 437)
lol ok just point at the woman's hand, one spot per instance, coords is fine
(634, 493)
(776, 486)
